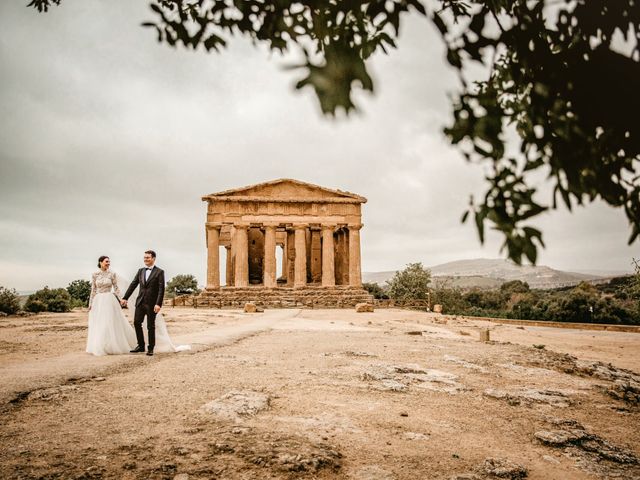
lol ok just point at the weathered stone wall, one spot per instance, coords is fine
(281, 297)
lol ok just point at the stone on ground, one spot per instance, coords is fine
(364, 307)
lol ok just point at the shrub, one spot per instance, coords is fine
(451, 299)
(80, 291)
(515, 286)
(9, 302)
(376, 290)
(182, 285)
(412, 283)
(49, 300)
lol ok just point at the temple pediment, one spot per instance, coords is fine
(286, 189)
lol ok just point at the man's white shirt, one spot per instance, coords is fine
(147, 272)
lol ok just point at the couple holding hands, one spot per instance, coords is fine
(110, 333)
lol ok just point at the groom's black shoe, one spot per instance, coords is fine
(138, 349)
(150, 352)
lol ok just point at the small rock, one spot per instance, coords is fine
(404, 414)
(181, 476)
(364, 307)
(550, 459)
(238, 403)
(502, 468)
(393, 385)
(558, 438)
(373, 472)
(250, 307)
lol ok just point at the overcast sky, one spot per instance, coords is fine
(108, 140)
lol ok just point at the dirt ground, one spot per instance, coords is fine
(326, 394)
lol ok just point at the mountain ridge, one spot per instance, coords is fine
(462, 273)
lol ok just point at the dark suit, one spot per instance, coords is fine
(151, 293)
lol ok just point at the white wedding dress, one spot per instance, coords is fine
(110, 332)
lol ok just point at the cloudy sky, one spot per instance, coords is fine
(108, 140)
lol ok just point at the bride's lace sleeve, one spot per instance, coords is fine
(116, 288)
(94, 288)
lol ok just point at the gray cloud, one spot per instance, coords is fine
(108, 140)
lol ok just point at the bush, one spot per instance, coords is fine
(76, 303)
(376, 290)
(9, 302)
(182, 285)
(515, 286)
(49, 300)
(80, 291)
(412, 283)
(451, 299)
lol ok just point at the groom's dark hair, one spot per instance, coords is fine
(151, 252)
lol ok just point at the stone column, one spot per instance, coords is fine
(284, 260)
(213, 256)
(355, 273)
(316, 255)
(242, 256)
(291, 257)
(269, 275)
(300, 274)
(328, 258)
(229, 269)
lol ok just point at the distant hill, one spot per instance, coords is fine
(491, 273)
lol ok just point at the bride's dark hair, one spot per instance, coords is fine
(101, 259)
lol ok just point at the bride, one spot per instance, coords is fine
(110, 333)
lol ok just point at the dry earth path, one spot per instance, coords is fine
(44, 363)
(326, 394)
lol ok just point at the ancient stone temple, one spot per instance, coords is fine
(287, 243)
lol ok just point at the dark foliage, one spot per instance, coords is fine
(182, 285)
(376, 290)
(9, 301)
(49, 300)
(80, 291)
(584, 303)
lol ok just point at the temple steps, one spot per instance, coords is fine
(280, 297)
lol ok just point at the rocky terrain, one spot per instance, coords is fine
(326, 394)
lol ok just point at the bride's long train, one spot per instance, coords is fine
(111, 331)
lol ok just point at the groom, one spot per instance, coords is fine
(149, 301)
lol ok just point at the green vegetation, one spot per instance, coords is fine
(376, 290)
(182, 285)
(9, 301)
(616, 302)
(412, 283)
(80, 291)
(585, 303)
(49, 300)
